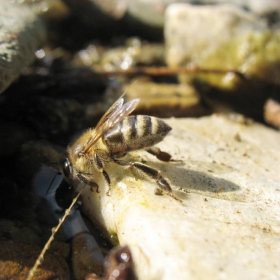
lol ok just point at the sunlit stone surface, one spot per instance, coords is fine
(228, 224)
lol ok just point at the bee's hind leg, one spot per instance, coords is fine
(161, 155)
(163, 185)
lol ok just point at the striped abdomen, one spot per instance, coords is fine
(134, 133)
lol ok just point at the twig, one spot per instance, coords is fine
(54, 231)
(157, 71)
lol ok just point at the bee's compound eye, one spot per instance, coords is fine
(67, 168)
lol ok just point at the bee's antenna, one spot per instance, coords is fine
(130, 86)
(58, 173)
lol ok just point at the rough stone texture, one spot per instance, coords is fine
(21, 33)
(222, 37)
(228, 224)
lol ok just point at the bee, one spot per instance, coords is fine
(116, 134)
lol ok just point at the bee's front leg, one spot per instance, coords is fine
(163, 185)
(88, 181)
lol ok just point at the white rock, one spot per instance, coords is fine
(192, 33)
(222, 37)
(228, 224)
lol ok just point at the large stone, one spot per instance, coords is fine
(21, 33)
(227, 226)
(152, 12)
(222, 37)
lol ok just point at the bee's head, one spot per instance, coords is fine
(67, 169)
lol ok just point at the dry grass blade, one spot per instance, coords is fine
(40, 258)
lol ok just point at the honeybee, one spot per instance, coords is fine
(115, 135)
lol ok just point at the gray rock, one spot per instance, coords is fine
(21, 34)
(227, 226)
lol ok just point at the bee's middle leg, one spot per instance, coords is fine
(100, 165)
(163, 185)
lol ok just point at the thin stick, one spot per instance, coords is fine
(157, 71)
(54, 231)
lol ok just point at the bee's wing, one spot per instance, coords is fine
(115, 107)
(111, 118)
(119, 114)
